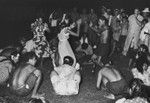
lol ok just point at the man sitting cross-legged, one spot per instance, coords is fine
(112, 80)
(65, 78)
(27, 77)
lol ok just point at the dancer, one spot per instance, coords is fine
(64, 48)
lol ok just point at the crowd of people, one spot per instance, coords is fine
(73, 39)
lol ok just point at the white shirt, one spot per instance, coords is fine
(145, 77)
(143, 37)
(133, 26)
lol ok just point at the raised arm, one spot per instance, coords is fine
(78, 29)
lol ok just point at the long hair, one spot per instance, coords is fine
(136, 86)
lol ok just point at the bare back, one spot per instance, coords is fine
(22, 74)
(111, 74)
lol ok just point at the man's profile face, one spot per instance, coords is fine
(32, 61)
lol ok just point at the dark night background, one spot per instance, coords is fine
(17, 15)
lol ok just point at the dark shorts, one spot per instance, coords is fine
(103, 50)
(117, 87)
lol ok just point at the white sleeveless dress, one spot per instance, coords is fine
(64, 47)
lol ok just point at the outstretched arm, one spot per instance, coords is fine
(78, 30)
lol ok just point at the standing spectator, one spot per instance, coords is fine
(135, 26)
(92, 17)
(145, 34)
(54, 20)
(84, 24)
(124, 32)
(145, 13)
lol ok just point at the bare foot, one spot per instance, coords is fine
(109, 96)
(38, 96)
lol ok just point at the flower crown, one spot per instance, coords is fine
(39, 26)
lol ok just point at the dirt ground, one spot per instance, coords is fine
(88, 92)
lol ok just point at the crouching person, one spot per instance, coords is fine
(7, 67)
(65, 78)
(112, 80)
(27, 77)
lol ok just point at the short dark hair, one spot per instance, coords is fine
(34, 100)
(7, 52)
(143, 46)
(104, 19)
(29, 55)
(136, 86)
(15, 53)
(84, 46)
(68, 60)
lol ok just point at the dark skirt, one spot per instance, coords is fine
(103, 50)
(117, 87)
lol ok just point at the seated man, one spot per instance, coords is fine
(27, 77)
(138, 57)
(65, 78)
(142, 73)
(86, 51)
(113, 81)
(7, 65)
(135, 93)
(141, 70)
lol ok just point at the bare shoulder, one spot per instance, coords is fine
(28, 68)
(108, 69)
(105, 69)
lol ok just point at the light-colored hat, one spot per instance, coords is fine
(146, 10)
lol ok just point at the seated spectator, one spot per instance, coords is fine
(41, 100)
(7, 51)
(141, 69)
(112, 80)
(135, 93)
(142, 73)
(27, 77)
(138, 57)
(86, 52)
(65, 78)
(7, 65)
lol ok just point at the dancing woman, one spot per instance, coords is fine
(64, 48)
